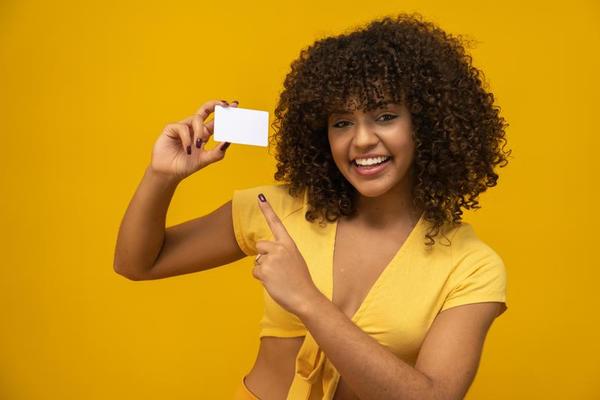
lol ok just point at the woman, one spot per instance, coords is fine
(383, 135)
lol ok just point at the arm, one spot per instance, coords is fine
(145, 250)
(447, 362)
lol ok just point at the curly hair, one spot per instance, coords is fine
(458, 132)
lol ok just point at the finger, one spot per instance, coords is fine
(205, 110)
(200, 134)
(203, 133)
(279, 231)
(265, 247)
(207, 131)
(209, 107)
(223, 146)
(257, 272)
(183, 132)
(213, 155)
(210, 126)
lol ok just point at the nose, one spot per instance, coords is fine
(365, 136)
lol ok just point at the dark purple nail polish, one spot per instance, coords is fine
(261, 197)
(235, 101)
(198, 142)
(225, 101)
(189, 149)
(225, 146)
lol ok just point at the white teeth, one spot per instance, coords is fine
(370, 161)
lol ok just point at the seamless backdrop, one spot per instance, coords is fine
(87, 87)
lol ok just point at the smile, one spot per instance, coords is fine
(368, 170)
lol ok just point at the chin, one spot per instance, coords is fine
(372, 189)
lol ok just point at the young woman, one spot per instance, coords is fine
(374, 287)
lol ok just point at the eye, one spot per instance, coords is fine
(341, 124)
(387, 117)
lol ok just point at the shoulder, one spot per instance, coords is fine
(474, 262)
(249, 224)
(468, 246)
(478, 273)
(278, 196)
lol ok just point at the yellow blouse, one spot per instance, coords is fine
(402, 303)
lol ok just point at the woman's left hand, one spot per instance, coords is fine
(281, 268)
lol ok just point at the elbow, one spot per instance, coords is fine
(440, 393)
(127, 274)
(121, 267)
(434, 390)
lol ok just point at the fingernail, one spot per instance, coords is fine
(225, 101)
(235, 101)
(225, 146)
(198, 142)
(261, 197)
(189, 149)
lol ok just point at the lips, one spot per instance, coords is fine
(387, 158)
(370, 169)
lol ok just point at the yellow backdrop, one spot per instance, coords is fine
(85, 89)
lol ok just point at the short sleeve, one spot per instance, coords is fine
(479, 276)
(249, 224)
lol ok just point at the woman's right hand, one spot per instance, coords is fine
(179, 150)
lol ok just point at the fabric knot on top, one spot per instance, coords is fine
(312, 366)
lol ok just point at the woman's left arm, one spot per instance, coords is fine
(446, 365)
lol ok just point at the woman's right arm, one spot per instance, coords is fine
(145, 249)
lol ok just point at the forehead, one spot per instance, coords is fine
(353, 105)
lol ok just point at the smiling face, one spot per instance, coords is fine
(366, 136)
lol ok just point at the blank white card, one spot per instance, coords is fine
(241, 125)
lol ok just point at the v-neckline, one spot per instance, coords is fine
(399, 252)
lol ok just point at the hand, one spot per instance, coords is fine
(179, 150)
(282, 269)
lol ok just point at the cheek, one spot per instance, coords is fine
(404, 151)
(401, 146)
(337, 151)
(338, 159)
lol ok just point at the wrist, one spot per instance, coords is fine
(311, 304)
(162, 178)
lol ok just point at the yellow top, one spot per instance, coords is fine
(401, 305)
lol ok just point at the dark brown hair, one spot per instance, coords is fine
(458, 132)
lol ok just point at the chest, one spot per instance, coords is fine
(359, 259)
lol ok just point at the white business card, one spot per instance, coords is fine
(241, 125)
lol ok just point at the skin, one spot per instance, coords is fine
(383, 199)
(448, 357)
(450, 354)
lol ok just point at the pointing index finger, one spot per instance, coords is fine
(277, 227)
(207, 108)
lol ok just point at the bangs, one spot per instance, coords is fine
(361, 78)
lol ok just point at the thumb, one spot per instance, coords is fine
(223, 146)
(216, 154)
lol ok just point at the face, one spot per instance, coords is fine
(367, 136)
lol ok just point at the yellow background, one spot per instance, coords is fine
(85, 90)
